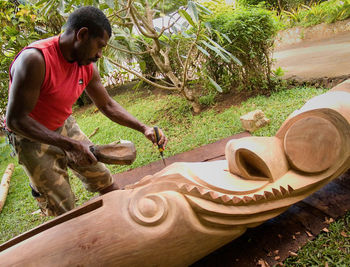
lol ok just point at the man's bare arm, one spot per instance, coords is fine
(27, 74)
(114, 111)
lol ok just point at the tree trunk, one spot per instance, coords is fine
(5, 184)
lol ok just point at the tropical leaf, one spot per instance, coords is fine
(193, 12)
(217, 51)
(187, 17)
(205, 52)
(216, 86)
(203, 9)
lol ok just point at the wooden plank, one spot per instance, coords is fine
(208, 152)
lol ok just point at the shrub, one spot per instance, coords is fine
(278, 5)
(249, 36)
(217, 6)
(306, 16)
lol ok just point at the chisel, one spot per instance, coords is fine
(160, 147)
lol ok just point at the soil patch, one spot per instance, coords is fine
(222, 101)
(233, 98)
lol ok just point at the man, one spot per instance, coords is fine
(46, 78)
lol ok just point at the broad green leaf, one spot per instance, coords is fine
(208, 26)
(216, 86)
(218, 35)
(236, 60)
(205, 52)
(216, 50)
(217, 45)
(203, 9)
(192, 9)
(187, 17)
(226, 37)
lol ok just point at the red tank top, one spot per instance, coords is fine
(64, 82)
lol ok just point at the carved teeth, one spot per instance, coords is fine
(195, 190)
(225, 198)
(189, 187)
(182, 186)
(236, 200)
(283, 190)
(258, 197)
(203, 191)
(276, 192)
(214, 195)
(247, 199)
(290, 189)
(268, 195)
(207, 194)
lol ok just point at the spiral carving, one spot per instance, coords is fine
(149, 210)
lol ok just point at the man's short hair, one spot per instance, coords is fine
(90, 17)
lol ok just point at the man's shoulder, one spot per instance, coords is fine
(33, 53)
(30, 57)
(44, 43)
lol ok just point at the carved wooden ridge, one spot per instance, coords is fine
(187, 210)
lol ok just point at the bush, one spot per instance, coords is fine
(278, 5)
(251, 33)
(325, 12)
(217, 6)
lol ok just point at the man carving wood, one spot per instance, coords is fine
(46, 78)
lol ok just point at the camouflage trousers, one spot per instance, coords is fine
(46, 167)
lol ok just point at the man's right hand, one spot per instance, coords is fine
(80, 154)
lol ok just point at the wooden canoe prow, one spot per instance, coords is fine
(181, 213)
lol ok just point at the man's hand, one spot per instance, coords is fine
(109, 107)
(150, 134)
(80, 154)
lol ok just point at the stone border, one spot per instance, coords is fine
(325, 82)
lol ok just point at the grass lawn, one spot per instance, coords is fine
(185, 132)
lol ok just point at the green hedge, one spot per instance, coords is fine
(251, 32)
(279, 5)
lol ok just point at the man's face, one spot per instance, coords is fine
(90, 50)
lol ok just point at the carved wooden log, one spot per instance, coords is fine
(115, 153)
(5, 184)
(187, 210)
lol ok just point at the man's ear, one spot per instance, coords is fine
(82, 34)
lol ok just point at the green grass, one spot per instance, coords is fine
(172, 113)
(328, 249)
